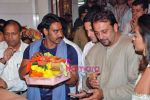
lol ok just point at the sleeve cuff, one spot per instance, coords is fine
(8, 83)
(2, 66)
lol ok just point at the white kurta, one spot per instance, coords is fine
(9, 72)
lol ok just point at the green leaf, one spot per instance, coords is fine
(34, 63)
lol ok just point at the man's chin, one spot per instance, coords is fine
(138, 52)
(105, 44)
(94, 40)
(11, 45)
(58, 41)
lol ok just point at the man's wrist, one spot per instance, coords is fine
(2, 60)
(3, 84)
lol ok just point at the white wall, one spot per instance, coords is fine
(27, 12)
(42, 8)
(74, 10)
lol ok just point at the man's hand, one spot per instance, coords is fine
(133, 24)
(92, 80)
(97, 94)
(74, 77)
(37, 54)
(92, 94)
(81, 94)
(3, 84)
(8, 53)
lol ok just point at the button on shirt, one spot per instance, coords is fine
(9, 72)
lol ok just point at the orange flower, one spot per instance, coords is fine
(41, 62)
(28, 68)
(36, 74)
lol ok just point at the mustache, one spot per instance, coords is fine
(9, 41)
(60, 38)
(102, 40)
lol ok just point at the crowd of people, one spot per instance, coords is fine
(113, 36)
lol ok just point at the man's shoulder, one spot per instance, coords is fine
(88, 46)
(127, 45)
(97, 46)
(3, 45)
(70, 48)
(72, 54)
(125, 40)
(96, 49)
(23, 46)
(75, 46)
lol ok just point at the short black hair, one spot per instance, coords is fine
(12, 22)
(49, 19)
(2, 22)
(64, 26)
(83, 9)
(88, 17)
(91, 13)
(1, 29)
(144, 3)
(40, 28)
(103, 16)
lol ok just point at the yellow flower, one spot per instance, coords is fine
(48, 74)
(47, 54)
(49, 65)
(56, 72)
(39, 69)
(34, 67)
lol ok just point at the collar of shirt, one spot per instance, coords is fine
(22, 47)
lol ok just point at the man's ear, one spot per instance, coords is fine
(21, 34)
(45, 31)
(116, 27)
(146, 11)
